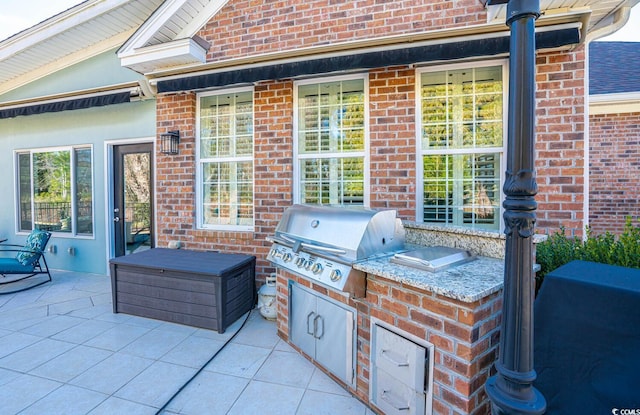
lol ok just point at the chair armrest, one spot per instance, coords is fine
(20, 248)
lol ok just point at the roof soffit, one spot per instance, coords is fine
(57, 65)
(56, 25)
(81, 32)
(599, 13)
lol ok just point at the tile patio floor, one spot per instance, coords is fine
(63, 351)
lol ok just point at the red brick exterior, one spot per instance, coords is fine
(175, 175)
(393, 139)
(465, 336)
(614, 147)
(560, 140)
(244, 27)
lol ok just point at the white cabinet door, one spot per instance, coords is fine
(302, 312)
(334, 334)
(324, 330)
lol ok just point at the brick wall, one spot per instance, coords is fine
(560, 140)
(393, 139)
(614, 163)
(175, 174)
(465, 336)
(176, 181)
(243, 28)
(273, 158)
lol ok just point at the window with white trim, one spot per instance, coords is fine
(462, 145)
(331, 143)
(225, 160)
(55, 190)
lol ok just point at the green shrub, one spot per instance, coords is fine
(560, 249)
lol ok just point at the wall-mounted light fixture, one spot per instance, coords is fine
(169, 142)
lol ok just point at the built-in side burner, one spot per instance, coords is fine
(433, 258)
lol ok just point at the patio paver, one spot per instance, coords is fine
(65, 351)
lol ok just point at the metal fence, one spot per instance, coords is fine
(56, 216)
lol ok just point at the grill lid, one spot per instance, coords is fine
(349, 233)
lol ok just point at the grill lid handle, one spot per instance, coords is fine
(297, 244)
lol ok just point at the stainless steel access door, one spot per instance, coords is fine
(324, 329)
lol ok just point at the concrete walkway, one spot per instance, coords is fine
(63, 351)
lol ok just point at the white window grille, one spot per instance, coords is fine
(462, 144)
(331, 143)
(225, 160)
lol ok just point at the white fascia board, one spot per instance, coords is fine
(186, 51)
(618, 103)
(153, 24)
(615, 97)
(58, 24)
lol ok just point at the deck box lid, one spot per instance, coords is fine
(200, 262)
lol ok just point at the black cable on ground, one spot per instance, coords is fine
(203, 366)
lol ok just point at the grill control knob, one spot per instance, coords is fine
(335, 275)
(316, 268)
(300, 262)
(286, 257)
(308, 265)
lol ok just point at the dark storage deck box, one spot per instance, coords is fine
(202, 289)
(586, 338)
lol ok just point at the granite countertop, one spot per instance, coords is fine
(467, 282)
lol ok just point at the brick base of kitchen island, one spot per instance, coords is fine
(465, 336)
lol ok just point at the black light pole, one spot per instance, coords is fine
(511, 390)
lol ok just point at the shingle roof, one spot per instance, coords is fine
(614, 67)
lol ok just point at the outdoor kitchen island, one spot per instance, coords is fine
(439, 329)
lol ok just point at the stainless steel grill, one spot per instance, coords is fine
(322, 243)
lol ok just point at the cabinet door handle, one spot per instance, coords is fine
(387, 355)
(315, 327)
(393, 401)
(310, 330)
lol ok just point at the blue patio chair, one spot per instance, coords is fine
(26, 262)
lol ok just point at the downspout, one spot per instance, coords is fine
(587, 144)
(620, 18)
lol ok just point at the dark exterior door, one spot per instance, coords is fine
(132, 198)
